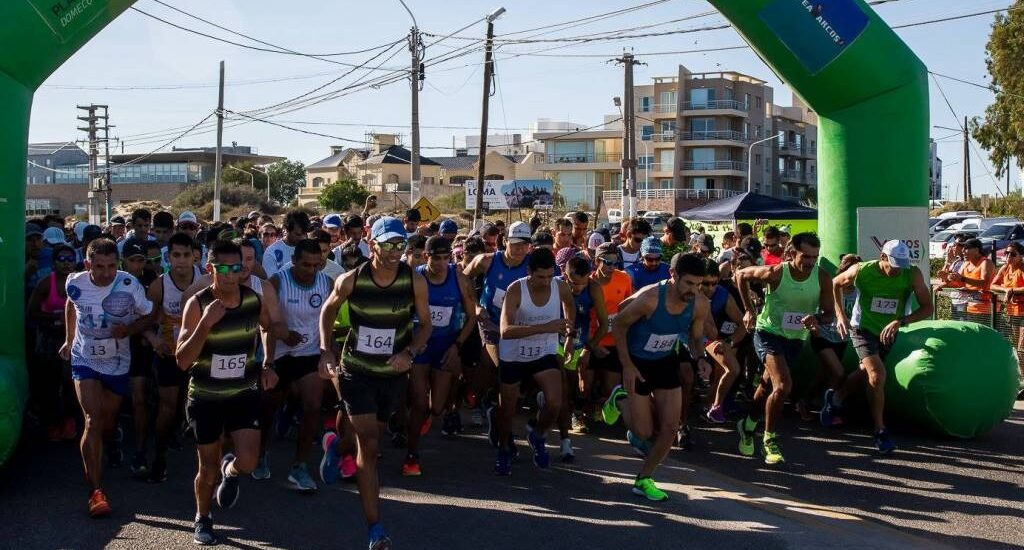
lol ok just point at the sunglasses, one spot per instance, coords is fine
(389, 246)
(153, 259)
(63, 258)
(224, 269)
(610, 260)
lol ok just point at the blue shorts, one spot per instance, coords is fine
(766, 343)
(116, 383)
(434, 354)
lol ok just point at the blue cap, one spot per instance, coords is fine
(448, 226)
(651, 245)
(333, 221)
(387, 228)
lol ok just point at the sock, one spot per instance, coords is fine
(749, 424)
(768, 436)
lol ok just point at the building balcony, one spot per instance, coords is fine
(722, 107)
(613, 197)
(665, 110)
(715, 137)
(586, 161)
(664, 137)
(794, 149)
(793, 176)
(715, 168)
(655, 170)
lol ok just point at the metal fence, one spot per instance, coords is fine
(953, 304)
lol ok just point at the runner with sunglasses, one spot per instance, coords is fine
(616, 287)
(217, 345)
(725, 331)
(383, 296)
(636, 230)
(649, 269)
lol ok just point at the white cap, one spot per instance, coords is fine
(188, 216)
(519, 232)
(596, 239)
(79, 229)
(898, 253)
(55, 235)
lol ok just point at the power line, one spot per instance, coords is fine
(970, 141)
(590, 19)
(990, 88)
(953, 18)
(132, 87)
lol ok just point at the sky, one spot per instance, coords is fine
(160, 80)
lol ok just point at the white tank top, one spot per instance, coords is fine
(301, 306)
(256, 284)
(172, 306)
(532, 348)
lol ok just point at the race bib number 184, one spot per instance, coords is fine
(658, 343)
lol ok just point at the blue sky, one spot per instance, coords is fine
(136, 51)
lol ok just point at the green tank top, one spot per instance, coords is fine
(785, 306)
(882, 299)
(381, 321)
(227, 363)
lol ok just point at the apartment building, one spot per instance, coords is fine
(795, 172)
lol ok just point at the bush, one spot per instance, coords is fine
(341, 195)
(199, 199)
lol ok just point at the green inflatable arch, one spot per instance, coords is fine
(868, 89)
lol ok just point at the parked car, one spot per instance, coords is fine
(614, 215)
(1000, 235)
(949, 219)
(981, 224)
(940, 242)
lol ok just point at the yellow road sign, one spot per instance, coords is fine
(428, 212)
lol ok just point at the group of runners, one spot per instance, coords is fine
(364, 327)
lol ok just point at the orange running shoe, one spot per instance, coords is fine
(411, 466)
(98, 505)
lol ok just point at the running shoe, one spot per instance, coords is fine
(98, 505)
(115, 457)
(716, 415)
(262, 470)
(471, 401)
(158, 473)
(492, 426)
(138, 467)
(411, 466)
(204, 532)
(772, 452)
(227, 491)
(451, 424)
(567, 455)
(70, 430)
(348, 467)
(646, 488)
(540, 452)
(425, 427)
(513, 449)
(829, 410)
(610, 411)
(379, 540)
(476, 418)
(884, 444)
(641, 446)
(746, 437)
(684, 439)
(299, 477)
(503, 466)
(579, 423)
(329, 463)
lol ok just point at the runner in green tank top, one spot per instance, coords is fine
(217, 344)
(383, 295)
(884, 287)
(795, 292)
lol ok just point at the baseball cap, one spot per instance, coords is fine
(78, 228)
(332, 221)
(387, 228)
(651, 245)
(542, 238)
(438, 245)
(131, 248)
(187, 217)
(117, 220)
(595, 240)
(32, 229)
(91, 232)
(253, 214)
(449, 226)
(353, 221)
(898, 253)
(54, 236)
(606, 249)
(519, 232)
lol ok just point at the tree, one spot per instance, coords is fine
(341, 195)
(1001, 132)
(286, 177)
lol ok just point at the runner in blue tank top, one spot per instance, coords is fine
(725, 331)
(649, 268)
(453, 317)
(647, 334)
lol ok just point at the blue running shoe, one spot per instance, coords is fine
(884, 444)
(329, 463)
(642, 447)
(227, 491)
(378, 540)
(829, 409)
(503, 466)
(492, 426)
(540, 452)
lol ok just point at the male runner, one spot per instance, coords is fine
(383, 295)
(636, 230)
(725, 332)
(296, 226)
(795, 291)
(649, 269)
(883, 288)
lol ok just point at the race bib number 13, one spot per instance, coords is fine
(100, 349)
(885, 306)
(376, 341)
(227, 367)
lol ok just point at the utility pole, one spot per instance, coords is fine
(106, 158)
(967, 163)
(488, 73)
(220, 135)
(629, 138)
(416, 81)
(94, 186)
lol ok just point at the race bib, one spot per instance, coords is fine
(885, 306)
(227, 367)
(440, 316)
(529, 351)
(100, 349)
(376, 341)
(728, 327)
(499, 298)
(660, 343)
(793, 320)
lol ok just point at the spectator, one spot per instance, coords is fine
(1010, 279)
(728, 244)
(675, 237)
(976, 274)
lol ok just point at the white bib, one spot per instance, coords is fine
(100, 349)
(885, 306)
(440, 316)
(227, 367)
(529, 350)
(793, 320)
(376, 341)
(728, 327)
(499, 298)
(660, 343)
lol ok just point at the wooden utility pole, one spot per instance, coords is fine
(967, 163)
(481, 169)
(416, 81)
(220, 136)
(629, 137)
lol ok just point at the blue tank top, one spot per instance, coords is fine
(496, 282)
(642, 276)
(584, 304)
(719, 300)
(657, 337)
(446, 312)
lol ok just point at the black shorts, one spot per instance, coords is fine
(368, 394)
(608, 363)
(766, 343)
(658, 374)
(513, 372)
(142, 360)
(168, 374)
(821, 344)
(290, 368)
(867, 344)
(210, 419)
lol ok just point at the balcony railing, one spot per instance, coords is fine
(689, 194)
(665, 108)
(562, 158)
(797, 148)
(663, 137)
(706, 135)
(736, 165)
(792, 175)
(655, 167)
(716, 104)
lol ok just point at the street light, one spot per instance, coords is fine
(495, 15)
(750, 160)
(264, 172)
(252, 179)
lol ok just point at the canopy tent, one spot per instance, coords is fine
(749, 206)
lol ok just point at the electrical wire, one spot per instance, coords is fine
(970, 141)
(133, 87)
(954, 18)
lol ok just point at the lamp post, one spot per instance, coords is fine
(265, 173)
(252, 178)
(750, 161)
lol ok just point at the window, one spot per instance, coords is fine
(646, 131)
(645, 104)
(665, 183)
(757, 159)
(699, 97)
(392, 178)
(746, 130)
(700, 127)
(494, 177)
(667, 101)
(757, 131)
(746, 100)
(758, 101)
(318, 182)
(645, 162)
(49, 163)
(459, 180)
(47, 179)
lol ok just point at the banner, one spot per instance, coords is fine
(513, 194)
(876, 225)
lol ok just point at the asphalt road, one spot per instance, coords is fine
(832, 493)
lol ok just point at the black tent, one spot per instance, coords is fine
(750, 206)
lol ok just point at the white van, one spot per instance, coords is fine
(980, 224)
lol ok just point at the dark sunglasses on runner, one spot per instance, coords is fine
(224, 269)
